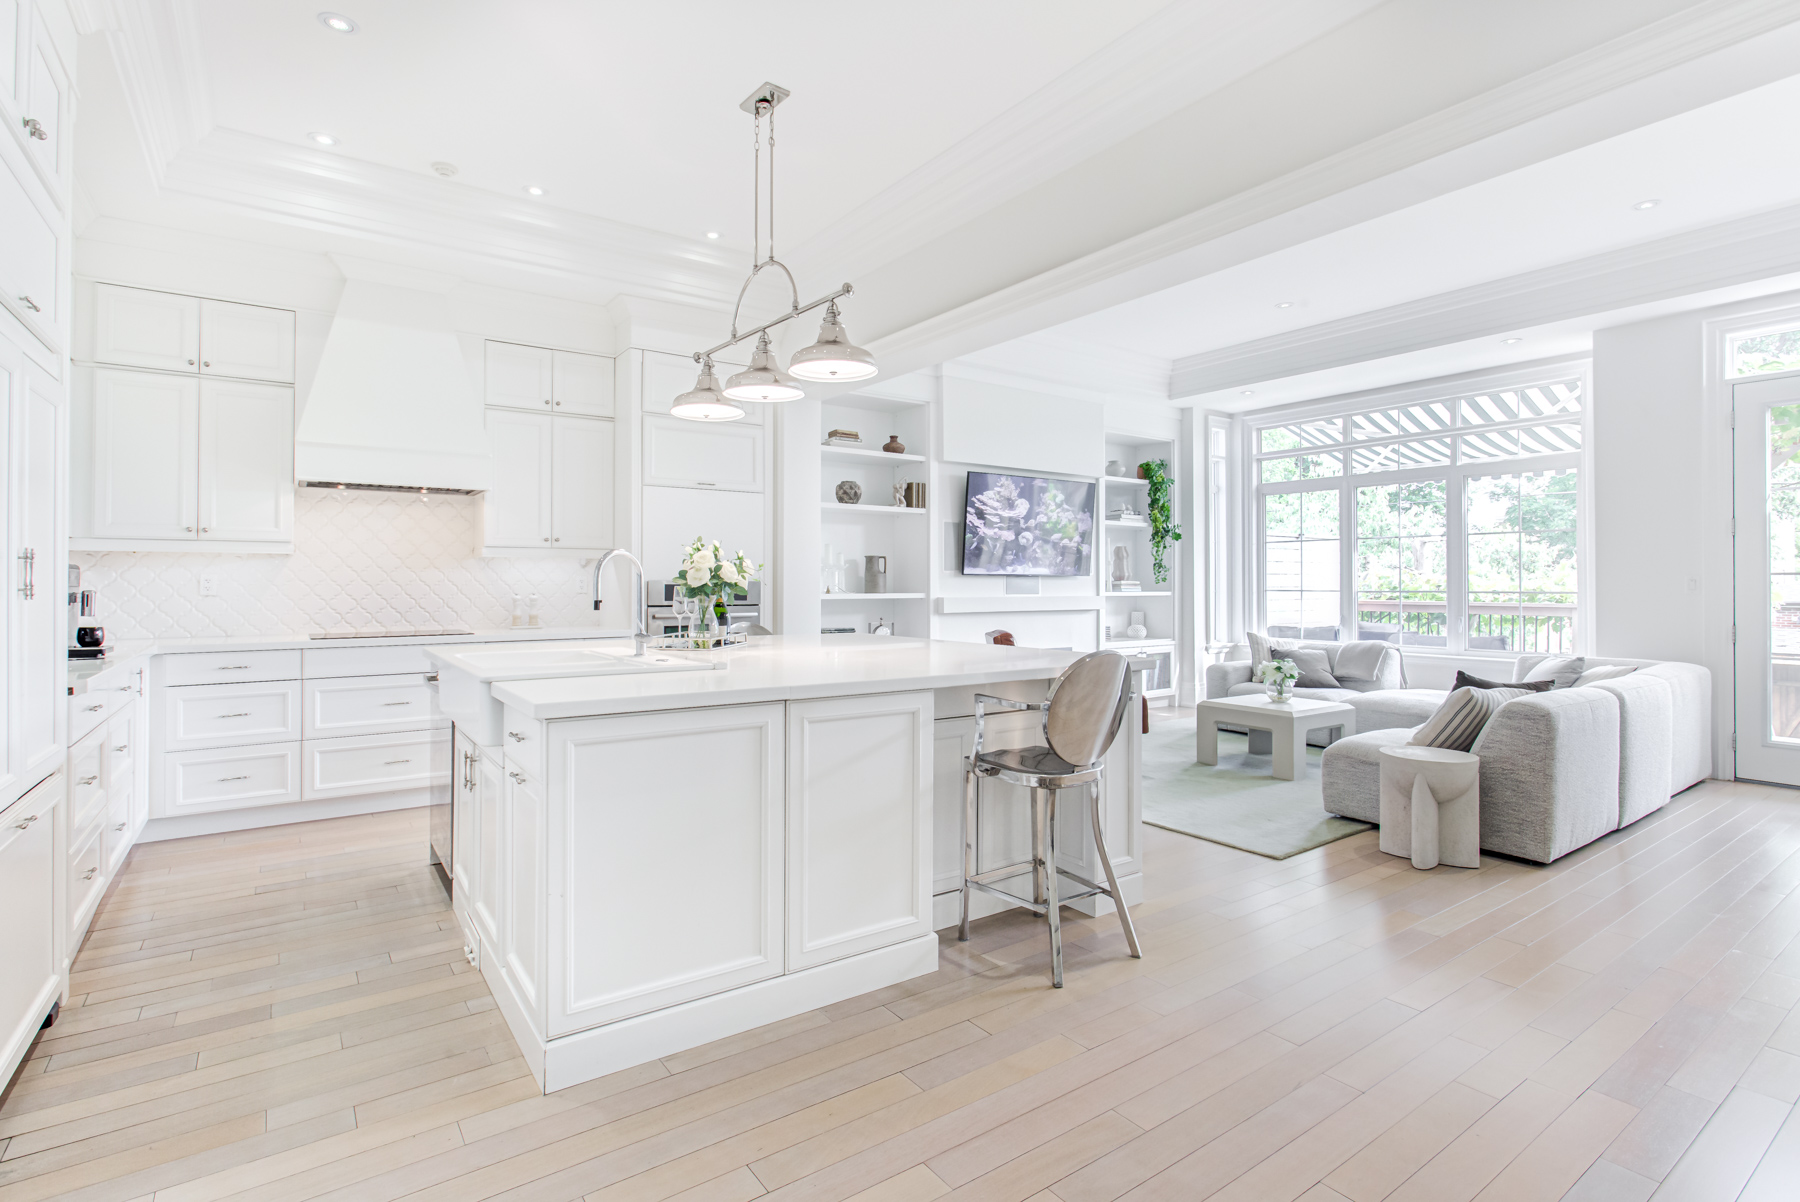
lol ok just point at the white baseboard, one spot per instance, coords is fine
(225, 821)
(585, 1055)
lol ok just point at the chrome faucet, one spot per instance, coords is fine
(641, 636)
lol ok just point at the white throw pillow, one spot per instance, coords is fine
(1604, 672)
(1564, 670)
(1461, 719)
(1362, 660)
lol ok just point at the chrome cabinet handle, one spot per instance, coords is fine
(28, 589)
(515, 736)
(36, 129)
(223, 779)
(206, 529)
(189, 529)
(87, 780)
(230, 667)
(93, 708)
(127, 688)
(245, 714)
(392, 762)
(516, 777)
(28, 821)
(190, 363)
(89, 874)
(31, 304)
(121, 747)
(387, 703)
(121, 826)
(205, 363)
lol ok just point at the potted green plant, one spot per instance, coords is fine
(1163, 529)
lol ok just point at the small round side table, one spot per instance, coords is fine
(1431, 805)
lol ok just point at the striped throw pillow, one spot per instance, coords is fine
(1459, 721)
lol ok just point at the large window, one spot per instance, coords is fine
(1460, 512)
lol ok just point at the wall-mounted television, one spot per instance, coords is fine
(1027, 526)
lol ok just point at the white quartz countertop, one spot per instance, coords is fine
(789, 668)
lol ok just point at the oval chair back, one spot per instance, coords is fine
(1086, 707)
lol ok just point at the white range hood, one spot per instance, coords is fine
(393, 404)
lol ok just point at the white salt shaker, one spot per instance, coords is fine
(518, 614)
(536, 619)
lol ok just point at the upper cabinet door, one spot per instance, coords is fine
(46, 109)
(583, 384)
(247, 342)
(145, 431)
(139, 328)
(703, 454)
(28, 252)
(520, 377)
(518, 501)
(583, 482)
(246, 462)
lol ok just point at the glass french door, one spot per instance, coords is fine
(1766, 513)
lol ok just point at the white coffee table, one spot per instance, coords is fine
(1288, 724)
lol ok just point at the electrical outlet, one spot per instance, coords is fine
(209, 584)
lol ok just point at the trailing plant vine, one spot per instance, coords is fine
(1163, 529)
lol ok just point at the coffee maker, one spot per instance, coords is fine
(86, 636)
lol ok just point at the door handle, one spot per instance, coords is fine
(515, 736)
(516, 777)
(28, 821)
(89, 874)
(386, 703)
(36, 129)
(121, 826)
(87, 780)
(30, 304)
(230, 667)
(94, 708)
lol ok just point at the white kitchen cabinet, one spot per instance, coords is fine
(247, 342)
(552, 484)
(464, 825)
(520, 377)
(859, 819)
(517, 505)
(141, 432)
(724, 456)
(367, 705)
(246, 461)
(581, 385)
(136, 327)
(362, 764)
(200, 716)
(228, 667)
(84, 884)
(47, 110)
(623, 819)
(229, 778)
(581, 506)
(39, 658)
(28, 938)
(490, 850)
(29, 253)
(522, 933)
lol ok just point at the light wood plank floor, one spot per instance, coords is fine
(286, 1014)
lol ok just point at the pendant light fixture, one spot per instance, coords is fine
(833, 358)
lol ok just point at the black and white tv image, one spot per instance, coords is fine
(1027, 526)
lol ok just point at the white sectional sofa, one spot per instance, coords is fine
(1558, 769)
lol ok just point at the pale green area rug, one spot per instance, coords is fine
(1237, 803)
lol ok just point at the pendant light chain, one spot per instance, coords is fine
(756, 197)
(772, 189)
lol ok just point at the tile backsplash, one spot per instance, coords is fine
(360, 560)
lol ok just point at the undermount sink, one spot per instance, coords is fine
(466, 674)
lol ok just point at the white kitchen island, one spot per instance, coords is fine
(674, 857)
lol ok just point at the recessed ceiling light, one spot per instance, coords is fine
(1642, 205)
(337, 23)
(1510, 341)
(712, 234)
(533, 190)
(444, 169)
(1284, 304)
(323, 139)
(1248, 392)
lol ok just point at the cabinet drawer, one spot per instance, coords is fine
(230, 715)
(118, 753)
(88, 710)
(363, 661)
(86, 791)
(115, 831)
(196, 782)
(366, 705)
(375, 764)
(27, 253)
(85, 883)
(223, 667)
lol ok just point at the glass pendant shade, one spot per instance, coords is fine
(706, 403)
(832, 357)
(762, 380)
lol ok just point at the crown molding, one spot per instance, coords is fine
(1173, 59)
(1574, 102)
(338, 195)
(1761, 246)
(155, 45)
(1062, 367)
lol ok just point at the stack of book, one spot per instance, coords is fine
(1127, 586)
(843, 438)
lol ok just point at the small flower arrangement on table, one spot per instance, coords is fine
(1279, 675)
(708, 576)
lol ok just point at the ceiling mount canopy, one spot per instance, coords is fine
(832, 359)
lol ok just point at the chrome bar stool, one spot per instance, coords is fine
(1082, 715)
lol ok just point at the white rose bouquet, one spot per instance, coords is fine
(705, 572)
(1280, 674)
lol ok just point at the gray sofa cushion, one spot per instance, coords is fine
(1563, 670)
(1374, 665)
(1314, 667)
(1550, 773)
(1350, 773)
(1646, 730)
(1387, 708)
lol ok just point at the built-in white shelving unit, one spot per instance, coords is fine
(875, 525)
